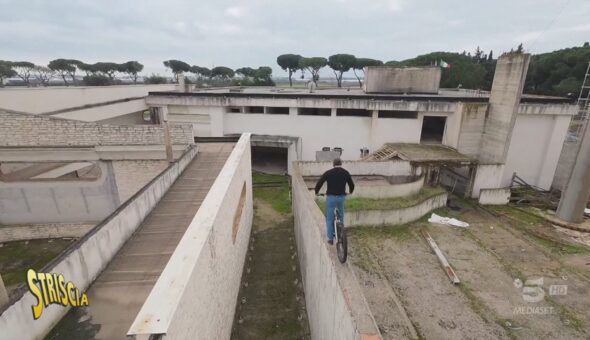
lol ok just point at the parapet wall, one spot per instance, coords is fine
(385, 168)
(26, 130)
(196, 294)
(388, 79)
(336, 306)
(48, 99)
(83, 261)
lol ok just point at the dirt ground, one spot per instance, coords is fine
(411, 296)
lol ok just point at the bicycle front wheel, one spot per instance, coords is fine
(342, 244)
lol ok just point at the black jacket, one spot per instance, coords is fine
(337, 178)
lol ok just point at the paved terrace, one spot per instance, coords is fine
(118, 293)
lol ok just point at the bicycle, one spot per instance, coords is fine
(340, 235)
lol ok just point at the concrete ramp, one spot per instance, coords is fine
(118, 293)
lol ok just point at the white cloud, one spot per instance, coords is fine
(235, 12)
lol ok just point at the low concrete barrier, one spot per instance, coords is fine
(42, 231)
(385, 168)
(394, 216)
(336, 306)
(499, 196)
(388, 191)
(83, 261)
(195, 296)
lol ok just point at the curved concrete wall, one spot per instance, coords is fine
(388, 191)
(196, 294)
(336, 306)
(386, 168)
(86, 258)
(395, 216)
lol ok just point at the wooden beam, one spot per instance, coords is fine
(441, 257)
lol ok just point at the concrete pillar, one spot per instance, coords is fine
(163, 115)
(509, 78)
(3, 293)
(374, 120)
(575, 195)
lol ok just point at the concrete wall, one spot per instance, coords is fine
(388, 191)
(31, 130)
(336, 306)
(487, 176)
(394, 216)
(105, 112)
(196, 294)
(498, 196)
(59, 201)
(131, 176)
(86, 258)
(42, 231)
(387, 168)
(389, 79)
(536, 145)
(48, 99)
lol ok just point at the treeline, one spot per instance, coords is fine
(221, 75)
(101, 73)
(339, 63)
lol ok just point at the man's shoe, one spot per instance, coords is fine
(331, 242)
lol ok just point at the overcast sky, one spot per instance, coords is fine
(253, 32)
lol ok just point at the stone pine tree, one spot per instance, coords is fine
(177, 67)
(289, 63)
(23, 70)
(131, 68)
(313, 65)
(222, 72)
(6, 71)
(361, 63)
(64, 68)
(341, 63)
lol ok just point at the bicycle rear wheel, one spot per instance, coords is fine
(342, 243)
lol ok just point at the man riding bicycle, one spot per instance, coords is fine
(337, 178)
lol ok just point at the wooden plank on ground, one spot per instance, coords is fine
(441, 257)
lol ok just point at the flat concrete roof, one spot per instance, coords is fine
(118, 293)
(353, 93)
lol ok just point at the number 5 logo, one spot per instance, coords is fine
(533, 290)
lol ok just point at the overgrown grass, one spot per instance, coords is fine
(19, 256)
(363, 203)
(517, 214)
(278, 197)
(399, 232)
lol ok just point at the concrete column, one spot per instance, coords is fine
(575, 195)
(163, 115)
(3, 293)
(292, 111)
(374, 119)
(333, 112)
(509, 78)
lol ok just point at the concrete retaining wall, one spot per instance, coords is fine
(388, 168)
(498, 196)
(389, 79)
(388, 191)
(42, 231)
(196, 294)
(336, 306)
(83, 261)
(59, 201)
(395, 216)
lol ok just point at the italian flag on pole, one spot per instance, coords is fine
(444, 64)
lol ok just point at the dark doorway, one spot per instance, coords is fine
(269, 160)
(433, 129)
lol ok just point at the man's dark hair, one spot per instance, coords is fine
(337, 162)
